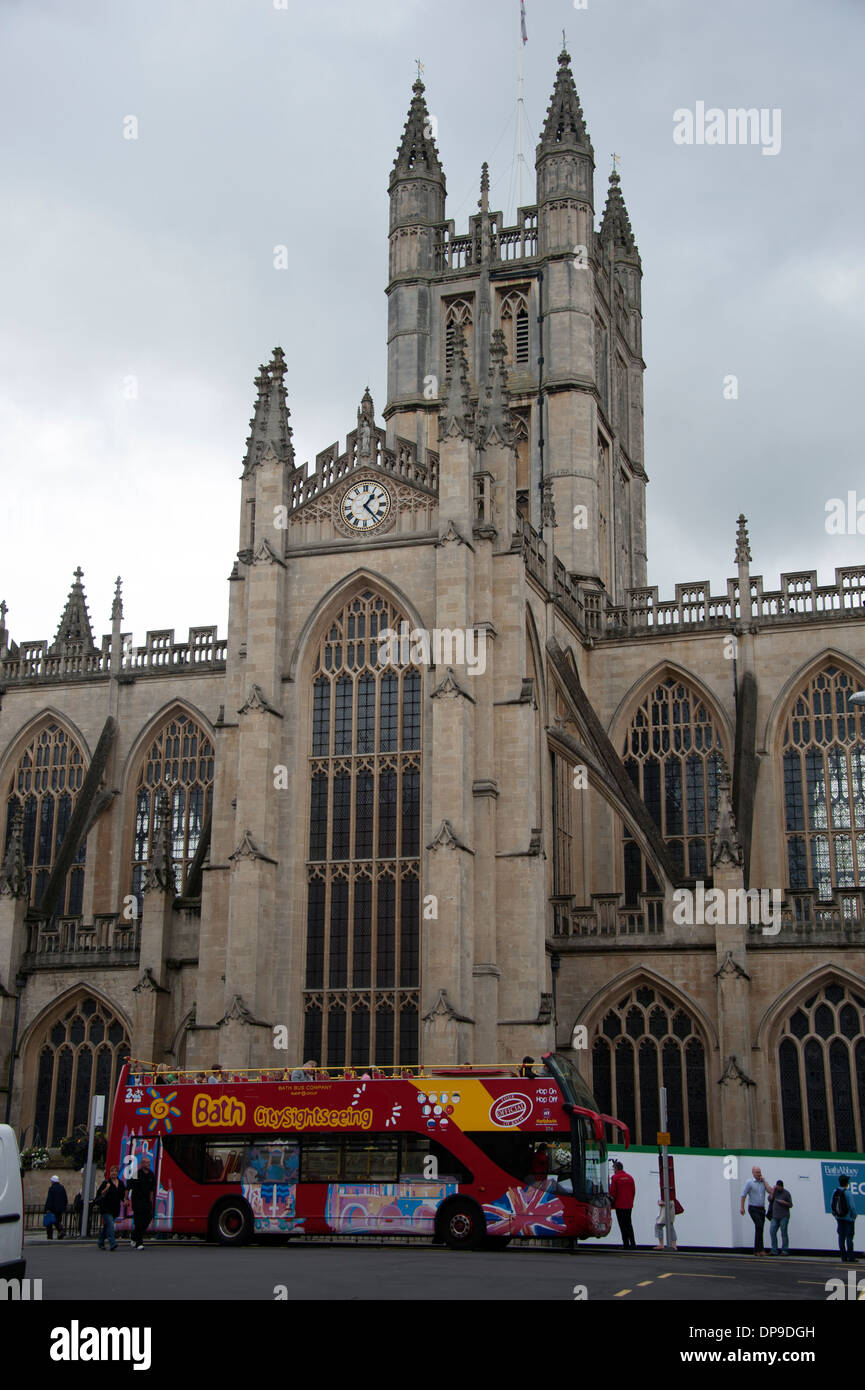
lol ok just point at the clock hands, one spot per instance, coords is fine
(366, 508)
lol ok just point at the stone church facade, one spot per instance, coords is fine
(443, 788)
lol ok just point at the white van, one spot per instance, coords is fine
(11, 1207)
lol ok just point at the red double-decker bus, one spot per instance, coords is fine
(470, 1155)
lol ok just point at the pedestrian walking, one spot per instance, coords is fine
(755, 1192)
(109, 1195)
(142, 1192)
(56, 1203)
(780, 1203)
(844, 1212)
(623, 1191)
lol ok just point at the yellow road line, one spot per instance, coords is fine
(643, 1282)
(681, 1274)
(621, 1293)
(665, 1276)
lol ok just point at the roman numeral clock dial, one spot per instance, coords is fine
(365, 506)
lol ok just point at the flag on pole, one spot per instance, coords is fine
(523, 33)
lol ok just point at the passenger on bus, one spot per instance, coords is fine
(215, 1075)
(528, 1067)
(304, 1073)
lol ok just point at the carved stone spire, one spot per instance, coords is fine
(564, 127)
(117, 605)
(726, 845)
(161, 875)
(496, 422)
(269, 426)
(4, 635)
(615, 223)
(74, 634)
(455, 415)
(417, 153)
(13, 871)
(743, 548)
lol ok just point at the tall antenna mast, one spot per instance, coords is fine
(523, 41)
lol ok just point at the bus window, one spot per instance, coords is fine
(370, 1158)
(512, 1152)
(319, 1160)
(187, 1151)
(223, 1161)
(425, 1158)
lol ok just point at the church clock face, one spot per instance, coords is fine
(365, 506)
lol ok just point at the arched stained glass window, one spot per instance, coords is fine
(44, 788)
(674, 756)
(821, 1067)
(179, 761)
(363, 905)
(824, 785)
(642, 1043)
(80, 1051)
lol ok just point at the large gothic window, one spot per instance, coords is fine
(178, 761)
(79, 1054)
(821, 1064)
(673, 755)
(645, 1042)
(44, 788)
(824, 785)
(363, 908)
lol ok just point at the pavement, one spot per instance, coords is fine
(173, 1270)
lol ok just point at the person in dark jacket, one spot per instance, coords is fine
(56, 1202)
(109, 1195)
(780, 1205)
(142, 1190)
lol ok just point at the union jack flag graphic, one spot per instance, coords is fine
(525, 1211)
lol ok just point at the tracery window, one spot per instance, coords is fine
(458, 314)
(520, 420)
(45, 787)
(178, 761)
(644, 1042)
(821, 1065)
(673, 755)
(363, 907)
(824, 785)
(79, 1055)
(514, 317)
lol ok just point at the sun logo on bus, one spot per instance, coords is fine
(394, 1115)
(160, 1109)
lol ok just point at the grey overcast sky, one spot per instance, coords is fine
(258, 126)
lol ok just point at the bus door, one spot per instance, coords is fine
(134, 1148)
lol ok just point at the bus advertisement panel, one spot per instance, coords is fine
(468, 1155)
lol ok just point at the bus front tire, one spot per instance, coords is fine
(461, 1226)
(231, 1222)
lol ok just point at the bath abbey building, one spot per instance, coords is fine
(442, 789)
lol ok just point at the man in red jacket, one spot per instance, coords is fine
(622, 1192)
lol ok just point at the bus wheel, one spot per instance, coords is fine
(497, 1242)
(231, 1222)
(462, 1225)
